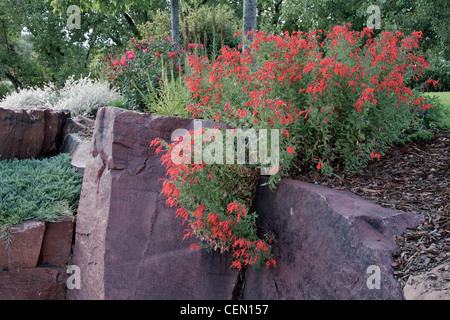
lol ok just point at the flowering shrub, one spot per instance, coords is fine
(82, 97)
(215, 201)
(338, 97)
(141, 66)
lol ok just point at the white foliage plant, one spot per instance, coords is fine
(82, 97)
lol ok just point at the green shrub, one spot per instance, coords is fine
(439, 70)
(140, 64)
(438, 116)
(170, 98)
(213, 27)
(5, 89)
(338, 97)
(37, 189)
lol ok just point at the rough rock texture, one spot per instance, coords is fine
(128, 242)
(25, 246)
(81, 125)
(21, 275)
(327, 240)
(57, 244)
(80, 156)
(33, 132)
(432, 285)
(77, 134)
(23, 283)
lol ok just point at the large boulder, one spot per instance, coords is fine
(128, 243)
(33, 132)
(331, 245)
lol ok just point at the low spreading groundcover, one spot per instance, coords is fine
(36, 189)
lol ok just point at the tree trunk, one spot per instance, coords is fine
(16, 83)
(175, 21)
(277, 12)
(132, 25)
(249, 21)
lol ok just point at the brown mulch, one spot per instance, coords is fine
(413, 178)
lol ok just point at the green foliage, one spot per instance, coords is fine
(120, 103)
(170, 98)
(439, 71)
(432, 17)
(143, 62)
(5, 89)
(36, 47)
(438, 116)
(337, 97)
(210, 25)
(215, 199)
(37, 189)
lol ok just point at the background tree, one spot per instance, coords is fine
(37, 47)
(174, 9)
(249, 20)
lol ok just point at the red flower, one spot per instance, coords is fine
(290, 150)
(374, 155)
(130, 55)
(172, 55)
(233, 206)
(195, 246)
(319, 165)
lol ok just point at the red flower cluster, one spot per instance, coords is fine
(217, 225)
(282, 77)
(328, 93)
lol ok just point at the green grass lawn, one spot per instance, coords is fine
(442, 108)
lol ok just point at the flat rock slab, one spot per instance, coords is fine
(431, 285)
(23, 283)
(57, 243)
(128, 243)
(33, 132)
(331, 245)
(25, 246)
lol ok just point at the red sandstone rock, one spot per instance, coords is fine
(23, 283)
(57, 243)
(33, 132)
(25, 246)
(128, 243)
(430, 285)
(327, 241)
